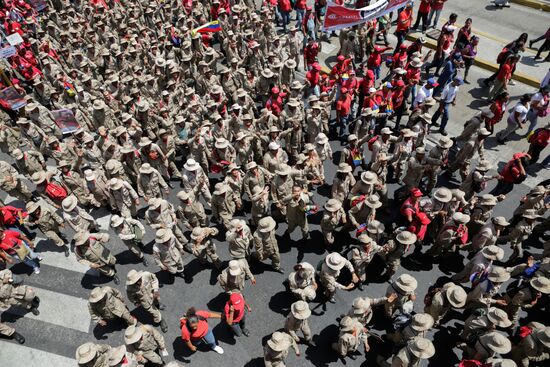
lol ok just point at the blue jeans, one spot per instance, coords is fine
(344, 126)
(299, 17)
(31, 259)
(285, 18)
(376, 72)
(532, 117)
(430, 17)
(208, 339)
(444, 116)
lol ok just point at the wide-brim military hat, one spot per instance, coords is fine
(443, 194)
(421, 348)
(85, 353)
(456, 296)
(335, 261)
(496, 342)
(498, 317)
(406, 283)
(333, 205)
(422, 322)
(300, 310)
(541, 284)
(133, 277)
(498, 274)
(162, 235)
(266, 224)
(116, 354)
(406, 238)
(493, 252)
(278, 342)
(69, 203)
(132, 334)
(97, 294)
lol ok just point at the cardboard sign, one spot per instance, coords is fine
(11, 99)
(14, 39)
(38, 5)
(65, 120)
(338, 16)
(7, 52)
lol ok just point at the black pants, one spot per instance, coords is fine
(424, 17)
(502, 187)
(545, 47)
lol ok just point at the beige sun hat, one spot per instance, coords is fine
(266, 224)
(543, 335)
(85, 353)
(422, 322)
(97, 294)
(89, 175)
(335, 261)
(504, 363)
(456, 295)
(365, 239)
(375, 227)
(445, 142)
(220, 188)
(484, 165)
(421, 348)
(461, 218)
(373, 201)
(541, 284)
(116, 220)
(347, 324)
(360, 306)
(498, 317)
(17, 154)
(221, 143)
(115, 183)
(183, 195)
(300, 310)
(132, 334)
(493, 252)
(133, 276)
(69, 203)
(344, 168)
(530, 214)
(267, 73)
(333, 205)
(162, 235)
(443, 194)
(279, 341)
(191, 165)
(406, 238)
(146, 168)
(284, 170)
(154, 203)
(406, 283)
(81, 238)
(234, 268)
(321, 139)
(32, 206)
(39, 177)
(496, 342)
(488, 200)
(498, 274)
(116, 354)
(368, 177)
(500, 221)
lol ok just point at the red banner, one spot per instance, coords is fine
(338, 17)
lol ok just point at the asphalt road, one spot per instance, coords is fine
(64, 287)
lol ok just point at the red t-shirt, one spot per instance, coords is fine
(200, 332)
(301, 4)
(424, 7)
(510, 172)
(405, 20)
(438, 4)
(238, 304)
(408, 208)
(11, 239)
(311, 52)
(313, 77)
(284, 5)
(397, 98)
(541, 139)
(367, 83)
(505, 72)
(343, 106)
(9, 215)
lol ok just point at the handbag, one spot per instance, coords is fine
(138, 233)
(22, 251)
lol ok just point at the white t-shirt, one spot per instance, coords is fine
(522, 110)
(449, 93)
(421, 96)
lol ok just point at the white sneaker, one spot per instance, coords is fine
(40, 258)
(37, 270)
(218, 349)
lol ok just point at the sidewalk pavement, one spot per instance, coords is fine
(543, 5)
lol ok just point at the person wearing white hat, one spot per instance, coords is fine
(143, 341)
(453, 235)
(362, 307)
(239, 238)
(190, 212)
(256, 176)
(11, 183)
(343, 182)
(418, 326)
(203, 247)
(167, 144)
(167, 253)
(297, 320)
(131, 233)
(437, 159)
(14, 293)
(121, 357)
(75, 184)
(194, 180)
(481, 262)
(77, 218)
(352, 334)
(402, 151)
(520, 232)
(97, 185)
(265, 243)
(404, 286)
(535, 199)
(297, 210)
(333, 218)
(476, 181)
(276, 349)
(281, 188)
(161, 214)
(482, 324)
(275, 158)
(151, 153)
(412, 354)
(395, 248)
(323, 148)
(48, 222)
(90, 250)
(330, 271)
(352, 154)
(362, 255)
(106, 304)
(123, 197)
(28, 162)
(415, 168)
(467, 153)
(488, 346)
(488, 234)
(91, 354)
(142, 288)
(150, 183)
(534, 347)
(486, 287)
(527, 296)
(302, 282)
(223, 204)
(440, 301)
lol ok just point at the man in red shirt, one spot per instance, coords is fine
(234, 313)
(13, 244)
(313, 79)
(285, 7)
(300, 7)
(411, 207)
(513, 173)
(343, 109)
(275, 101)
(195, 329)
(404, 22)
(437, 7)
(375, 60)
(311, 51)
(398, 102)
(537, 142)
(423, 12)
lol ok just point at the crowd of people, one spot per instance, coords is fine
(230, 118)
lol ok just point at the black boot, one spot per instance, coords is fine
(144, 261)
(163, 326)
(116, 280)
(66, 250)
(18, 337)
(35, 311)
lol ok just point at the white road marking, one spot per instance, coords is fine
(74, 310)
(15, 355)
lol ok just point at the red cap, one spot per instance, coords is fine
(403, 46)
(400, 83)
(340, 58)
(344, 90)
(316, 66)
(415, 191)
(370, 74)
(235, 298)
(275, 90)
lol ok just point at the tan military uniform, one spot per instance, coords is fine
(531, 348)
(273, 358)
(294, 325)
(15, 295)
(49, 223)
(10, 182)
(144, 294)
(296, 215)
(148, 345)
(192, 215)
(124, 199)
(302, 284)
(96, 255)
(165, 217)
(168, 255)
(230, 283)
(203, 247)
(110, 307)
(131, 232)
(267, 247)
(32, 161)
(151, 185)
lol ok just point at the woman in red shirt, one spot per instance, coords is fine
(13, 244)
(404, 21)
(504, 75)
(498, 108)
(195, 329)
(234, 313)
(423, 12)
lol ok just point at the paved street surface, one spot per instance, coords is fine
(64, 284)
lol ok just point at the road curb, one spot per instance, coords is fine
(484, 64)
(533, 4)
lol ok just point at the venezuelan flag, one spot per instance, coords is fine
(211, 27)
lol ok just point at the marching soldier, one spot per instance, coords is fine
(29, 162)
(233, 277)
(297, 321)
(333, 218)
(191, 211)
(143, 342)
(203, 247)
(329, 272)
(351, 335)
(167, 252)
(265, 243)
(90, 250)
(95, 355)
(14, 293)
(362, 256)
(106, 303)
(123, 197)
(142, 288)
(302, 282)
(150, 183)
(527, 297)
(404, 286)
(79, 219)
(361, 308)
(276, 349)
(49, 223)
(161, 214)
(12, 184)
(442, 300)
(533, 347)
(131, 233)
